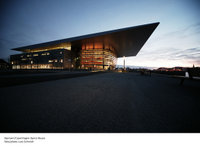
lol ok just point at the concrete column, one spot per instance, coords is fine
(124, 63)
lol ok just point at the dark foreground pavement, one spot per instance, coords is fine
(27, 78)
(109, 102)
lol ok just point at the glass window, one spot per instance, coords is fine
(98, 45)
(97, 58)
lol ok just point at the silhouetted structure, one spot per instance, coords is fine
(4, 65)
(95, 51)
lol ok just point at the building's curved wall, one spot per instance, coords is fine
(98, 56)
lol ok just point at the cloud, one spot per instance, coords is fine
(168, 57)
(177, 54)
(177, 48)
(193, 28)
(191, 55)
(187, 37)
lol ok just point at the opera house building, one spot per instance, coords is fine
(97, 51)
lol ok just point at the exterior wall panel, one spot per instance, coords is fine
(53, 59)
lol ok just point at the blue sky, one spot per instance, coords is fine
(176, 41)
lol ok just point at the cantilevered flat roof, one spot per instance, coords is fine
(126, 41)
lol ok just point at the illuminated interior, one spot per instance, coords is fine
(54, 59)
(36, 66)
(98, 56)
(98, 51)
(66, 46)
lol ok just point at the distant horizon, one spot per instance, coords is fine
(149, 67)
(135, 66)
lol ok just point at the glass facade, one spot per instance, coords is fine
(53, 59)
(98, 56)
(90, 56)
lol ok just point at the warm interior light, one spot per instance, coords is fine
(95, 56)
(66, 46)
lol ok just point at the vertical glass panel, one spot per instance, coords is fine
(98, 45)
(98, 58)
(89, 46)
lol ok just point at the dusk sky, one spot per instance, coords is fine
(175, 42)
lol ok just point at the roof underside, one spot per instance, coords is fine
(126, 41)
